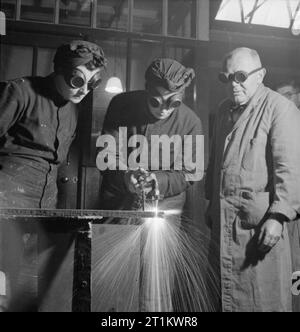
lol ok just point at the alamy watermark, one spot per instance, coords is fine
(165, 153)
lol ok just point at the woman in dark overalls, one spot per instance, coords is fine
(38, 119)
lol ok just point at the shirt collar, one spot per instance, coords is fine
(253, 100)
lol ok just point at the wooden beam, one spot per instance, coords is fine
(239, 36)
(34, 60)
(18, 10)
(128, 63)
(94, 14)
(35, 29)
(130, 15)
(202, 20)
(56, 12)
(165, 17)
(82, 295)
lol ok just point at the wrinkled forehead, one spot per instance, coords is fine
(240, 62)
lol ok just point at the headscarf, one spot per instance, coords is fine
(169, 73)
(77, 53)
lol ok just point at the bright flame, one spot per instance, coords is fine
(163, 263)
(155, 223)
(172, 212)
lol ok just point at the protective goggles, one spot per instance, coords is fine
(76, 79)
(173, 101)
(238, 77)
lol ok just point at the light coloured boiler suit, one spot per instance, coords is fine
(254, 170)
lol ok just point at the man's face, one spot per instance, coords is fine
(162, 102)
(75, 95)
(290, 93)
(240, 93)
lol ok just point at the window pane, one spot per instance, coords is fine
(182, 18)
(8, 7)
(147, 16)
(275, 13)
(229, 11)
(45, 61)
(112, 14)
(75, 12)
(16, 61)
(37, 10)
(143, 54)
(186, 56)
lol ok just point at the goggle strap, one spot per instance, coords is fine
(255, 70)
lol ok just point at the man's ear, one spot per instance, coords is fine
(263, 73)
(298, 100)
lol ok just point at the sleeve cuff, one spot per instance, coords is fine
(162, 179)
(281, 208)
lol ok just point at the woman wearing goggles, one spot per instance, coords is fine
(75, 83)
(162, 103)
(76, 79)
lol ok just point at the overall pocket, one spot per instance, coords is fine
(253, 208)
(254, 153)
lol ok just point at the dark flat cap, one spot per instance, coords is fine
(79, 52)
(169, 73)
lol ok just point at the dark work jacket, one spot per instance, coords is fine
(35, 122)
(36, 130)
(130, 110)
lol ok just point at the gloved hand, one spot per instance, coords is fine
(134, 180)
(151, 188)
(141, 180)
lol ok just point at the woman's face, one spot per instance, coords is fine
(165, 102)
(75, 95)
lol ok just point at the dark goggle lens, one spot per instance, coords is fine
(155, 102)
(77, 81)
(238, 77)
(94, 83)
(175, 103)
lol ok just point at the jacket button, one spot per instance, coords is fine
(83, 284)
(64, 179)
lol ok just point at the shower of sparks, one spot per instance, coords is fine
(161, 265)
